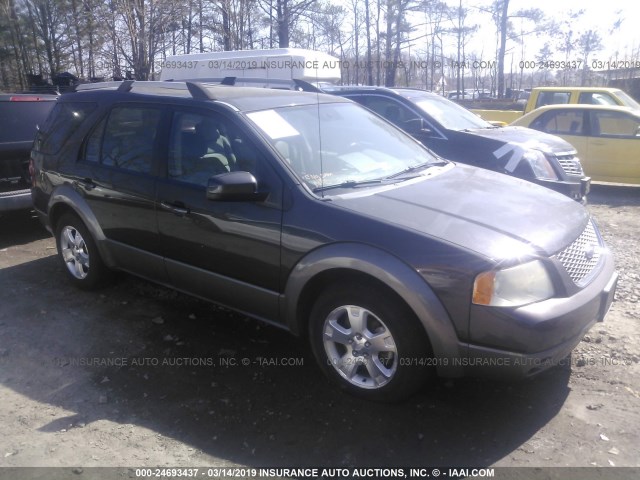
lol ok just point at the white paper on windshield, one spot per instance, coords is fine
(273, 124)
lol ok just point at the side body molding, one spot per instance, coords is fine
(391, 271)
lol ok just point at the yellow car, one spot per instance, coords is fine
(607, 137)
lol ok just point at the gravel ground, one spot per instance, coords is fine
(82, 381)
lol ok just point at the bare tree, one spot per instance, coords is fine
(589, 42)
(397, 28)
(502, 6)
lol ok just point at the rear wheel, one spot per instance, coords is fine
(78, 252)
(369, 343)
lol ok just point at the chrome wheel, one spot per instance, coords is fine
(360, 347)
(74, 251)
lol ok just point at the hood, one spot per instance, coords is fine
(497, 216)
(525, 137)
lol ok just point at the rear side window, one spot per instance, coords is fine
(63, 121)
(125, 139)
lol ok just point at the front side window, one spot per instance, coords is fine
(391, 110)
(560, 122)
(125, 139)
(205, 144)
(596, 98)
(552, 98)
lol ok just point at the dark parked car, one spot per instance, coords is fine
(19, 116)
(455, 133)
(309, 212)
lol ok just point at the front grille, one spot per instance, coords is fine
(581, 257)
(570, 164)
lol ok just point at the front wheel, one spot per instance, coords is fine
(369, 343)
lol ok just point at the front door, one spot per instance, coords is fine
(614, 147)
(228, 252)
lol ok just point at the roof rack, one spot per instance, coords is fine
(197, 89)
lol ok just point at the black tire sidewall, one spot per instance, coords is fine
(410, 339)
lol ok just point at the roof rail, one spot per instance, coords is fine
(115, 85)
(294, 83)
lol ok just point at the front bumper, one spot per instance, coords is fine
(540, 335)
(577, 190)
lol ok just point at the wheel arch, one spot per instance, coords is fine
(364, 263)
(66, 199)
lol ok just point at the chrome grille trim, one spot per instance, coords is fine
(570, 163)
(581, 257)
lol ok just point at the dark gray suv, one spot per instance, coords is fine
(309, 212)
(457, 134)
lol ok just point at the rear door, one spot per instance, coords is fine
(225, 251)
(118, 173)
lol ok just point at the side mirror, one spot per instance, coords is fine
(234, 187)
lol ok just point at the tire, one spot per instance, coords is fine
(369, 343)
(78, 253)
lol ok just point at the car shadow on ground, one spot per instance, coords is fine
(20, 228)
(614, 195)
(236, 389)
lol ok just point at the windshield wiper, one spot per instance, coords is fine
(420, 166)
(348, 184)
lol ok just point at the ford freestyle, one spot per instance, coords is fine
(311, 213)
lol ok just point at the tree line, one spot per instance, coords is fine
(424, 43)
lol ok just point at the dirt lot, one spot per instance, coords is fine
(137, 375)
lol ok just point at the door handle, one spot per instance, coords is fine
(177, 208)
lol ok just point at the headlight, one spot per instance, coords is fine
(513, 287)
(540, 165)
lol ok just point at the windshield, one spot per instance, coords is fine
(627, 100)
(450, 115)
(337, 143)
